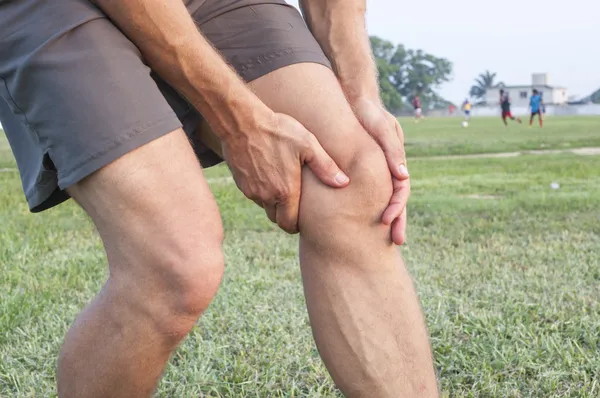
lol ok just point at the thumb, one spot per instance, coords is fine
(322, 165)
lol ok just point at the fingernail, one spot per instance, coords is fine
(403, 170)
(341, 178)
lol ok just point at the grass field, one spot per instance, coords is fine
(436, 137)
(508, 271)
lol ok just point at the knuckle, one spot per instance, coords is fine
(400, 132)
(402, 153)
(309, 141)
(282, 194)
(266, 197)
(394, 150)
(328, 164)
(381, 130)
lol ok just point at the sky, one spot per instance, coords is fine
(515, 38)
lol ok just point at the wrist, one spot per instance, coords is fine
(359, 87)
(236, 114)
(227, 104)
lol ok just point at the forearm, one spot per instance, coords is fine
(340, 28)
(170, 42)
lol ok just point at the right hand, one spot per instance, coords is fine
(267, 162)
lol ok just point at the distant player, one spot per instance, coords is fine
(536, 104)
(466, 106)
(505, 106)
(416, 103)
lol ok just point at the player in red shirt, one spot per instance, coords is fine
(505, 106)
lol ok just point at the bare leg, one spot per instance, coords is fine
(364, 312)
(162, 233)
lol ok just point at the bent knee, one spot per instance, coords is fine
(190, 284)
(359, 205)
(192, 281)
(174, 284)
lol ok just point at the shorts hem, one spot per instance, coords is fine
(136, 138)
(270, 62)
(47, 196)
(40, 199)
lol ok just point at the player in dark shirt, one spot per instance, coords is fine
(505, 106)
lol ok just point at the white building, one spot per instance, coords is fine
(519, 95)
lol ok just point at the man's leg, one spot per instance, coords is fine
(162, 233)
(517, 119)
(363, 309)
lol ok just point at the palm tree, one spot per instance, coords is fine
(483, 82)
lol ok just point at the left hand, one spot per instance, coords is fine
(386, 130)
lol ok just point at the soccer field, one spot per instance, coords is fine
(507, 268)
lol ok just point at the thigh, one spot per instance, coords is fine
(151, 203)
(270, 46)
(310, 92)
(77, 94)
(312, 95)
(256, 37)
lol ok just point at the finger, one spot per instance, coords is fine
(394, 155)
(399, 131)
(392, 212)
(398, 201)
(322, 165)
(403, 168)
(271, 212)
(400, 134)
(390, 138)
(287, 215)
(399, 229)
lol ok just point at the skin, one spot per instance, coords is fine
(363, 308)
(287, 154)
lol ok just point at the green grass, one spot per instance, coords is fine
(488, 135)
(508, 271)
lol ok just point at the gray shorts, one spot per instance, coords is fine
(76, 93)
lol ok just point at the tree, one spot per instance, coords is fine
(483, 83)
(404, 73)
(595, 97)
